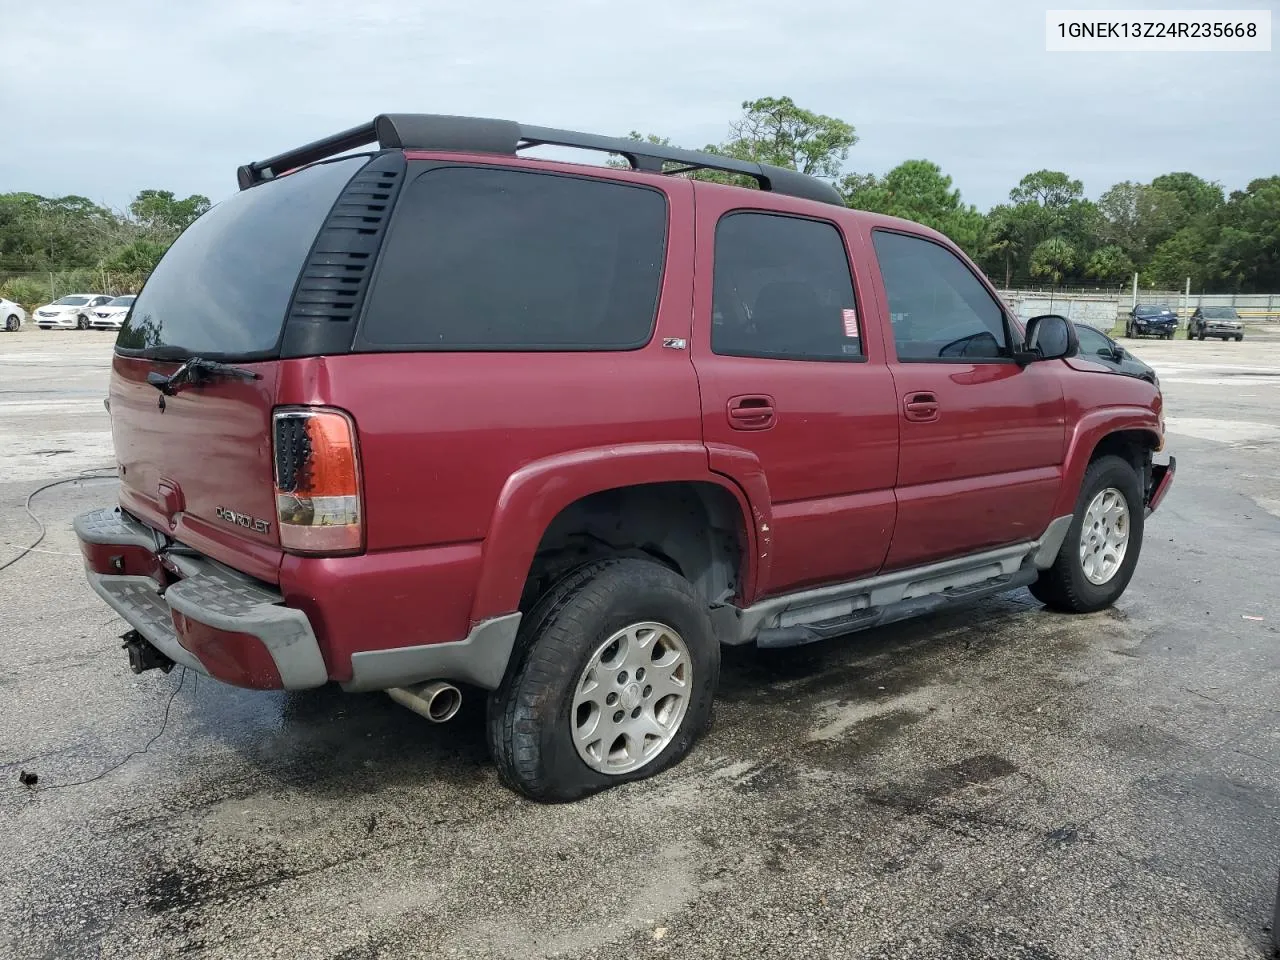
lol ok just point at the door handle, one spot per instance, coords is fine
(754, 412)
(920, 407)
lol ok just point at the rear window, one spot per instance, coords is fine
(497, 259)
(223, 288)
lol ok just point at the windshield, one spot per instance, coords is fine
(119, 302)
(71, 302)
(1153, 311)
(223, 288)
(1219, 313)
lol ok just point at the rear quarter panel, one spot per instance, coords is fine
(449, 440)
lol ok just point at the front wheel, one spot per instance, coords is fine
(612, 680)
(1128, 331)
(82, 323)
(1239, 337)
(11, 323)
(1099, 555)
(1201, 337)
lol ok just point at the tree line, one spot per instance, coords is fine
(55, 245)
(1177, 226)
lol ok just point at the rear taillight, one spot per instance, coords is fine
(317, 475)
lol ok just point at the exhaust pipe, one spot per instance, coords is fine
(436, 700)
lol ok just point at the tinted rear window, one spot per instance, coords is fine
(498, 259)
(223, 288)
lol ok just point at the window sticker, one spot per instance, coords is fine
(850, 318)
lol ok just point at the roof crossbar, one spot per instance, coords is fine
(421, 131)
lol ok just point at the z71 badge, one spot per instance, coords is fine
(243, 520)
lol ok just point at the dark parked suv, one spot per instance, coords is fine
(1151, 321)
(558, 432)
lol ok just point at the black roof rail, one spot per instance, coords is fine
(425, 131)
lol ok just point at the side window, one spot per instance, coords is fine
(1092, 343)
(782, 290)
(938, 309)
(484, 258)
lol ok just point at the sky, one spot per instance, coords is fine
(111, 98)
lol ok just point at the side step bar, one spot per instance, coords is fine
(830, 611)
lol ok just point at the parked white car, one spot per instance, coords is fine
(69, 312)
(110, 316)
(12, 316)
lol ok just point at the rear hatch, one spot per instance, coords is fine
(195, 455)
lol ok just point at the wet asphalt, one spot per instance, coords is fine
(997, 782)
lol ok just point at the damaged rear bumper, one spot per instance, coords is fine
(209, 618)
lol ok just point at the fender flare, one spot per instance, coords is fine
(536, 493)
(1089, 431)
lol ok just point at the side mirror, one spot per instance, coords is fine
(1049, 337)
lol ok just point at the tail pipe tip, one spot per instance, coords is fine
(436, 700)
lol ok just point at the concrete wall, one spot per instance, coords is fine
(1105, 310)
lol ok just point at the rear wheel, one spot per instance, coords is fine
(1099, 555)
(612, 680)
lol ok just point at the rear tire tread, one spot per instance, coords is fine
(549, 644)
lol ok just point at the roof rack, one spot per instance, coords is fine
(425, 131)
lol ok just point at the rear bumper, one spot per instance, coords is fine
(212, 619)
(331, 619)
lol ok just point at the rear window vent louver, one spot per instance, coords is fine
(331, 288)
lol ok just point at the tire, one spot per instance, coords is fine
(1065, 585)
(82, 323)
(1239, 337)
(532, 714)
(1128, 331)
(1190, 334)
(12, 323)
(1201, 337)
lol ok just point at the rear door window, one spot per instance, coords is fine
(782, 290)
(938, 308)
(485, 258)
(223, 288)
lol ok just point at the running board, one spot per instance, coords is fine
(830, 611)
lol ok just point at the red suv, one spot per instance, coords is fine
(445, 413)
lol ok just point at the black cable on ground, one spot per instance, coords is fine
(182, 678)
(83, 475)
